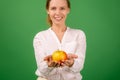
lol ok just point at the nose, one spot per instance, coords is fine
(57, 11)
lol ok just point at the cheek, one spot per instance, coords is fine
(51, 15)
(65, 14)
(49, 12)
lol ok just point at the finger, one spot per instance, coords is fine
(62, 64)
(62, 61)
(69, 62)
(54, 64)
(58, 64)
(50, 59)
(72, 56)
(47, 58)
(51, 64)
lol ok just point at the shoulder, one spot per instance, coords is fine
(76, 31)
(39, 37)
(41, 34)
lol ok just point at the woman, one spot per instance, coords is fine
(59, 37)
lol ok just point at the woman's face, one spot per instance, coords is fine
(58, 10)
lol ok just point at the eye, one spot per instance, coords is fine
(53, 8)
(62, 8)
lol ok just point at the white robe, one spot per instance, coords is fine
(46, 42)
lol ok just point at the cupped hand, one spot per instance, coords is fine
(50, 62)
(70, 61)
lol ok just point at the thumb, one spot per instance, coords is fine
(72, 56)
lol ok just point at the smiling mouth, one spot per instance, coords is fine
(58, 18)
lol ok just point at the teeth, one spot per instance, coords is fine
(58, 18)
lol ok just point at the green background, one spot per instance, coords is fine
(20, 20)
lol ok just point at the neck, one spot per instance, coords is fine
(59, 28)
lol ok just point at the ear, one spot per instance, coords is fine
(47, 11)
(68, 10)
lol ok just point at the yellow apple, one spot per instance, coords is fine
(59, 55)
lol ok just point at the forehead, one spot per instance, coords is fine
(58, 3)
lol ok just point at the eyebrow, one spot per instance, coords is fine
(60, 6)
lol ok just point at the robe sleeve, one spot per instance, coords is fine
(80, 51)
(42, 66)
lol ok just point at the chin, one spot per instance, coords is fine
(58, 22)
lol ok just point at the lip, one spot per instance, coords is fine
(58, 18)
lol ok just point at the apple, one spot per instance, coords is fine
(59, 55)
